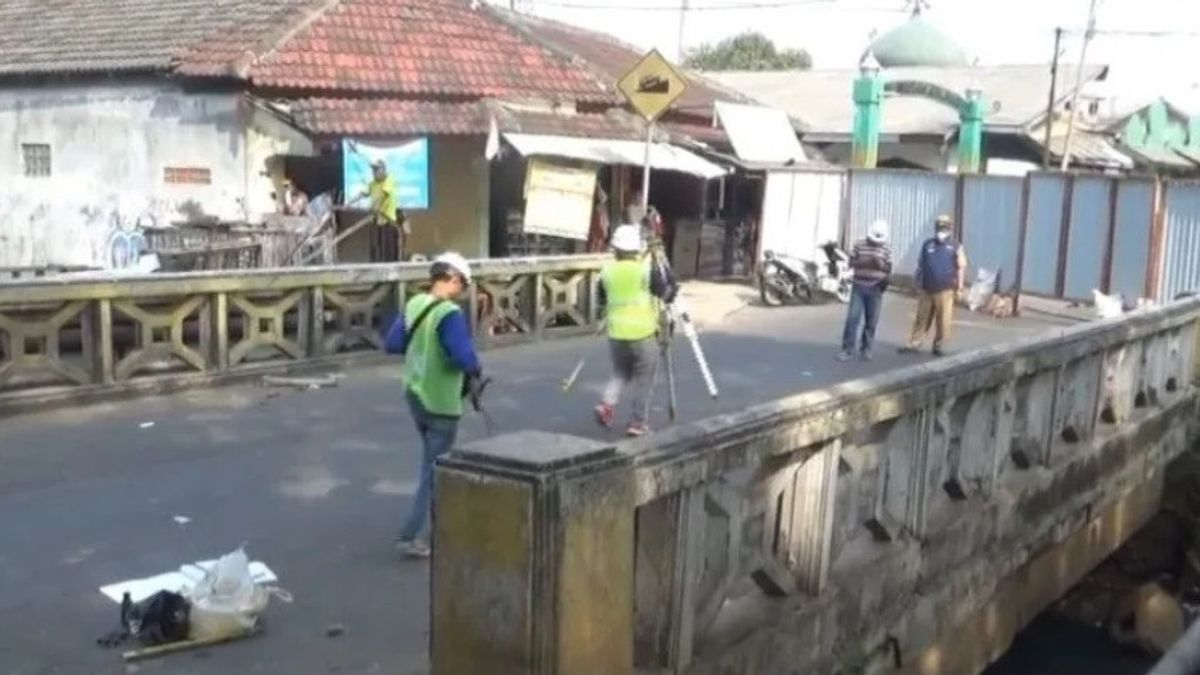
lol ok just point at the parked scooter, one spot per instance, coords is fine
(785, 279)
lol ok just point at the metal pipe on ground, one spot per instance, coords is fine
(1184, 657)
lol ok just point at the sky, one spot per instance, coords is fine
(836, 32)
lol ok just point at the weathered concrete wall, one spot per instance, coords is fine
(110, 146)
(458, 215)
(866, 528)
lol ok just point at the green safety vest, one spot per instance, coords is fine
(428, 372)
(631, 313)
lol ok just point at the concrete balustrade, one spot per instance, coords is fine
(912, 522)
(70, 337)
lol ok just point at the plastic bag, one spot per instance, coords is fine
(227, 602)
(981, 292)
(1107, 306)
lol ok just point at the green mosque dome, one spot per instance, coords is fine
(917, 42)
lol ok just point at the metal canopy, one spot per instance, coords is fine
(760, 134)
(663, 156)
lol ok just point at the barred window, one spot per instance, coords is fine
(36, 157)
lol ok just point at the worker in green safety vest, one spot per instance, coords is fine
(629, 287)
(440, 368)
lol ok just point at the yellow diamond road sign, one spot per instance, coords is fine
(652, 86)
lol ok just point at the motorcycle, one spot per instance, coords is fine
(786, 279)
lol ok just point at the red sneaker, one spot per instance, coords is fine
(604, 415)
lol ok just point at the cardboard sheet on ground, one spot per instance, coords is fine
(178, 581)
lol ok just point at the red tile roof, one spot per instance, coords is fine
(439, 49)
(611, 59)
(395, 117)
(104, 36)
(389, 117)
(616, 124)
(420, 48)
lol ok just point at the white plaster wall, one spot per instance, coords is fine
(268, 138)
(110, 145)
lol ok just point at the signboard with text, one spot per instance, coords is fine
(558, 200)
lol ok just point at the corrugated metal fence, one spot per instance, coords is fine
(1181, 250)
(991, 224)
(908, 200)
(1051, 234)
(1131, 237)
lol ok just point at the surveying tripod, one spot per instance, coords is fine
(673, 314)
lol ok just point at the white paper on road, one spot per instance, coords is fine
(179, 581)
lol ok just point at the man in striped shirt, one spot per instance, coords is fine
(871, 261)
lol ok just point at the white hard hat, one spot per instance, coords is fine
(455, 262)
(627, 239)
(878, 231)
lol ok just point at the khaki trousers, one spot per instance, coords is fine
(936, 310)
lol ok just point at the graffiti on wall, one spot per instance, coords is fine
(123, 241)
(126, 242)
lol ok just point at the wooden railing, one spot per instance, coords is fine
(865, 521)
(66, 337)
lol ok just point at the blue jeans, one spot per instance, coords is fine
(862, 317)
(437, 436)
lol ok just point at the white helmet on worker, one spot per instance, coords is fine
(455, 262)
(627, 239)
(878, 232)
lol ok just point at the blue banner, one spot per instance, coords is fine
(407, 163)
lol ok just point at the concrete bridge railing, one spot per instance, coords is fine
(913, 521)
(71, 336)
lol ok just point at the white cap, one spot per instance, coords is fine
(455, 262)
(878, 231)
(627, 239)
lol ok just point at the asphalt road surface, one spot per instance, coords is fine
(315, 483)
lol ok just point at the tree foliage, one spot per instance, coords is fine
(748, 51)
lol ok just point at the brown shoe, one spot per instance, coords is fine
(907, 349)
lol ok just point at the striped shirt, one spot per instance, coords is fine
(871, 262)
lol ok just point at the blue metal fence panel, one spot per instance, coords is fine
(1181, 241)
(1131, 239)
(1046, 194)
(909, 201)
(1088, 236)
(991, 225)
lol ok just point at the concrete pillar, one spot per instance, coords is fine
(970, 133)
(868, 95)
(533, 565)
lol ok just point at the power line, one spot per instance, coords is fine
(1133, 33)
(722, 7)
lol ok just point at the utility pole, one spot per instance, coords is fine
(1058, 34)
(683, 10)
(1087, 40)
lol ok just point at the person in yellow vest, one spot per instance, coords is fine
(628, 288)
(440, 368)
(385, 203)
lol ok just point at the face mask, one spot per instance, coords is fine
(942, 235)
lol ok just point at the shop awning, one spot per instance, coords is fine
(663, 156)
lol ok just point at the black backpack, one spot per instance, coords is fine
(159, 619)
